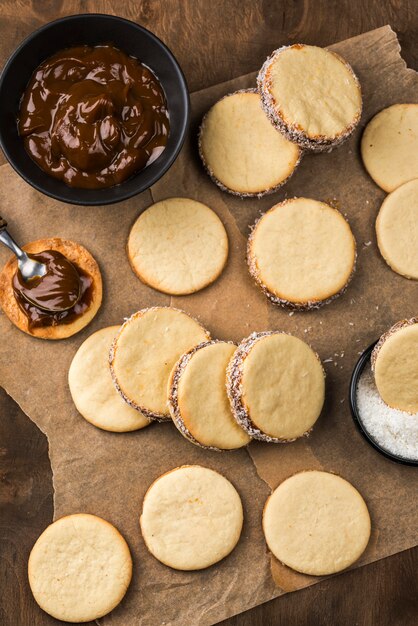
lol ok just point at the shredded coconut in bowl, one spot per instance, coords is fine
(394, 431)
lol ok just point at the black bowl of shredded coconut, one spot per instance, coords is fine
(391, 432)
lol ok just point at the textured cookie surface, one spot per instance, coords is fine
(92, 388)
(316, 523)
(389, 146)
(311, 94)
(144, 352)
(397, 229)
(198, 400)
(395, 366)
(76, 254)
(80, 568)
(178, 246)
(240, 148)
(302, 253)
(276, 386)
(191, 518)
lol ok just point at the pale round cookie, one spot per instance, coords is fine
(92, 388)
(79, 568)
(311, 95)
(191, 518)
(316, 523)
(75, 253)
(276, 386)
(145, 351)
(395, 366)
(397, 230)
(389, 146)
(240, 149)
(198, 401)
(302, 253)
(178, 246)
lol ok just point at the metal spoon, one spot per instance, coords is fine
(31, 269)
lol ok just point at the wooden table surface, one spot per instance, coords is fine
(213, 41)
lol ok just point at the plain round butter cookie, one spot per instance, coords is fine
(316, 523)
(79, 568)
(397, 230)
(178, 246)
(389, 146)
(191, 518)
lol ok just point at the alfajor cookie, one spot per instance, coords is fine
(59, 326)
(394, 363)
(144, 352)
(92, 388)
(80, 568)
(276, 386)
(316, 523)
(178, 246)
(191, 518)
(241, 150)
(389, 146)
(302, 253)
(397, 229)
(198, 401)
(311, 95)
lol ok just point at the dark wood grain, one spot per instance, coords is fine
(214, 41)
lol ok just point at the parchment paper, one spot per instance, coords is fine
(107, 474)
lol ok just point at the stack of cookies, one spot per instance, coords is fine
(307, 99)
(162, 365)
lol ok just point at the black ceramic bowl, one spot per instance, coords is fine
(358, 369)
(91, 29)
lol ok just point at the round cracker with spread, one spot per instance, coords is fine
(389, 146)
(80, 568)
(316, 523)
(198, 400)
(145, 351)
(397, 230)
(311, 95)
(82, 259)
(92, 388)
(276, 386)
(191, 518)
(394, 363)
(240, 149)
(178, 246)
(302, 253)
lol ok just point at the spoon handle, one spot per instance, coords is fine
(7, 240)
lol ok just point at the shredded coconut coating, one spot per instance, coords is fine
(309, 305)
(158, 417)
(234, 388)
(393, 430)
(217, 182)
(291, 131)
(392, 330)
(173, 404)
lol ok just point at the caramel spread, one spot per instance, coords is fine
(93, 116)
(58, 297)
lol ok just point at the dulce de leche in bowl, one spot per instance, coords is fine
(92, 116)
